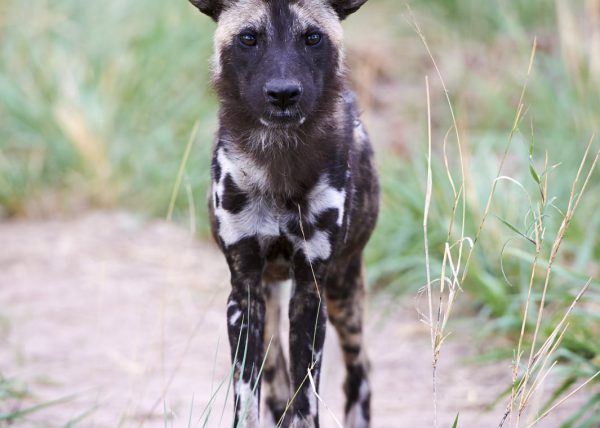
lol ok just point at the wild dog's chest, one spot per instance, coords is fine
(244, 207)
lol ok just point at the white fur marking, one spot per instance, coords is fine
(317, 247)
(323, 197)
(236, 316)
(259, 218)
(312, 401)
(269, 420)
(355, 417)
(256, 218)
(248, 406)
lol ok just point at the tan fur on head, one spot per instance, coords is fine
(236, 16)
(240, 14)
(320, 14)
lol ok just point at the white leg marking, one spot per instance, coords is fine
(248, 406)
(236, 316)
(355, 418)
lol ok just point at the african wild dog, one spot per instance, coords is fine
(294, 195)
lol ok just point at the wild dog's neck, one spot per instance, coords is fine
(292, 159)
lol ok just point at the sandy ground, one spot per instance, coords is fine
(124, 319)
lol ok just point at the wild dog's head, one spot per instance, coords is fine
(278, 63)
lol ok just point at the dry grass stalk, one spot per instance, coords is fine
(432, 330)
(546, 351)
(579, 31)
(554, 407)
(453, 271)
(437, 326)
(181, 170)
(90, 146)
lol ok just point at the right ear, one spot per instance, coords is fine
(212, 8)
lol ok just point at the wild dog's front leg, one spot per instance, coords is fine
(307, 336)
(245, 322)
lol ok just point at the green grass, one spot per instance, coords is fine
(98, 101)
(562, 111)
(16, 406)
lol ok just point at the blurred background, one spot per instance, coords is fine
(98, 104)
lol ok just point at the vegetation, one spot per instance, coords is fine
(523, 253)
(94, 97)
(98, 103)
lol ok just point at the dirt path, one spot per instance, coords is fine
(111, 311)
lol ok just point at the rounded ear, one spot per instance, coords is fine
(211, 8)
(346, 7)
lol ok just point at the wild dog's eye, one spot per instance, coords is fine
(248, 39)
(313, 39)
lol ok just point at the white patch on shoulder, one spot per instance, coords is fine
(248, 406)
(244, 171)
(256, 218)
(323, 197)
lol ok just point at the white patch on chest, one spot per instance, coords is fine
(261, 218)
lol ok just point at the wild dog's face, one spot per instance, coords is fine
(278, 62)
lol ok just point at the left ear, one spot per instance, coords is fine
(211, 8)
(346, 7)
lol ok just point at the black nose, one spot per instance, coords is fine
(283, 93)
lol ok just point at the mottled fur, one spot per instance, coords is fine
(294, 195)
